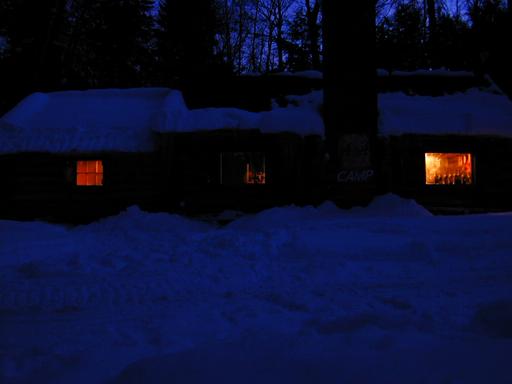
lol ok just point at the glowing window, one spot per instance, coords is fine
(89, 173)
(448, 168)
(242, 168)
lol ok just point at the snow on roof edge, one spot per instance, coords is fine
(123, 120)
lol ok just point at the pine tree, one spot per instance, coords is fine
(6, 10)
(186, 39)
(33, 30)
(110, 43)
(407, 37)
(453, 48)
(298, 48)
(33, 33)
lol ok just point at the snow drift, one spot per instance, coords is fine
(386, 293)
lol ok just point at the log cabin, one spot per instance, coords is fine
(444, 139)
(79, 155)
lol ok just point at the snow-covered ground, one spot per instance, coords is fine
(384, 294)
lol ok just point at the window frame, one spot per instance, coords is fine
(99, 171)
(450, 185)
(249, 155)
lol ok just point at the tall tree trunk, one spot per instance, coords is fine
(270, 43)
(262, 53)
(350, 96)
(279, 34)
(228, 46)
(269, 14)
(253, 60)
(241, 35)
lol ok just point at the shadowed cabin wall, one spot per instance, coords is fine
(191, 164)
(37, 185)
(403, 167)
(181, 175)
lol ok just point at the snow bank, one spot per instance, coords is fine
(476, 112)
(308, 359)
(384, 294)
(284, 217)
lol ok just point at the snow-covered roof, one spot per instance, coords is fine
(83, 121)
(425, 73)
(124, 120)
(475, 112)
(441, 72)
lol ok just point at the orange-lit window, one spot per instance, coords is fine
(239, 168)
(254, 175)
(448, 168)
(89, 173)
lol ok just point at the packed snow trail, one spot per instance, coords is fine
(386, 294)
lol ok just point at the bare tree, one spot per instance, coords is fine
(268, 17)
(255, 16)
(431, 14)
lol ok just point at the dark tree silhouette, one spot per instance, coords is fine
(186, 39)
(400, 39)
(34, 32)
(61, 44)
(109, 43)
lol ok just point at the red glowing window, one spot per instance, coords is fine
(448, 168)
(89, 173)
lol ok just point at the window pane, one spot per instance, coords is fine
(239, 168)
(81, 166)
(91, 179)
(81, 179)
(91, 167)
(89, 172)
(448, 168)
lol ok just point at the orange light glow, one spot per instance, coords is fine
(448, 168)
(242, 168)
(254, 177)
(89, 173)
